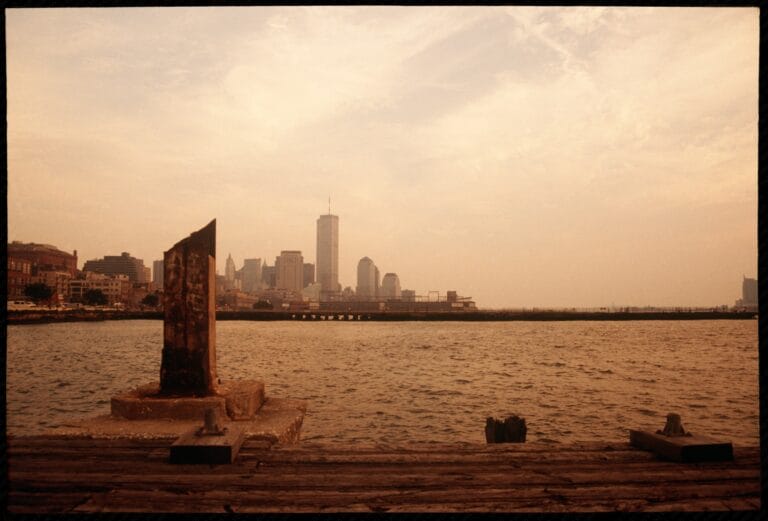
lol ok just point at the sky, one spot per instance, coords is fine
(523, 156)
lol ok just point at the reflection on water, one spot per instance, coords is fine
(421, 381)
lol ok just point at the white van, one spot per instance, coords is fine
(20, 305)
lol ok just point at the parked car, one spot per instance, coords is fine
(21, 305)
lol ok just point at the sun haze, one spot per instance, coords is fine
(523, 156)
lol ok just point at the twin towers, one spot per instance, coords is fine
(327, 260)
(288, 268)
(328, 266)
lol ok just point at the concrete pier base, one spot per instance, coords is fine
(278, 420)
(238, 400)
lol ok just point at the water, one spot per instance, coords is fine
(421, 381)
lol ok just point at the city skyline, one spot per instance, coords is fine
(522, 156)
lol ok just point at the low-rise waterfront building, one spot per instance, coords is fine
(58, 281)
(312, 292)
(237, 301)
(279, 298)
(122, 264)
(43, 257)
(411, 303)
(19, 276)
(117, 288)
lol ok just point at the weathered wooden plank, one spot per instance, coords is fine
(468, 458)
(54, 443)
(307, 447)
(245, 464)
(454, 499)
(101, 482)
(581, 473)
(553, 455)
(318, 480)
(159, 465)
(73, 457)
(700, 505)
(82, 442)
(23, 445)
(34, 502)
(134, 475)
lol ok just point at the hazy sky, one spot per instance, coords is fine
(522, 156)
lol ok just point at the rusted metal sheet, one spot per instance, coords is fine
(188, 364)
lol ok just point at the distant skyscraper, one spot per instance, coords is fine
(749, 292)
(157, 273)
(229, 269)
(251, 275)
(390, 286)
(289, 267)
(268, 277)
(309, 274)
(327, 260)
(367, 278)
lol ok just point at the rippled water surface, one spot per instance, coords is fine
(421, 381)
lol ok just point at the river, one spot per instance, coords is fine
(408, 382)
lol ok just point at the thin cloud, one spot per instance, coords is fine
(573, 145)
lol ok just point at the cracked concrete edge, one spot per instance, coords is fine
(278, 421)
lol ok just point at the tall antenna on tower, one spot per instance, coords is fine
(329, 205)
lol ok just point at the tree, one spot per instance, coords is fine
(151, 300)
(38, 291)
(263, 304)
(95, 297)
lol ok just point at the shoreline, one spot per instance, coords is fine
(53, 316)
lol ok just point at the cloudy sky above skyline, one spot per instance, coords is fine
(523, 156)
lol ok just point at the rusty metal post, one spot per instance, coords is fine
(188, 364)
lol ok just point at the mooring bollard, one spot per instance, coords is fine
(510, 430)
(212, 443)
(211, 425)
(674, 426)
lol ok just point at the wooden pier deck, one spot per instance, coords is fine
(49, 474)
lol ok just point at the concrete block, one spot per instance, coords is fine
(278, 421)
(146, 403)
(209, 448)
(688, 448)
(237, 399)
(243, 398)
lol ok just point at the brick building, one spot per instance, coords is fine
(19, 275)
(43, 257)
